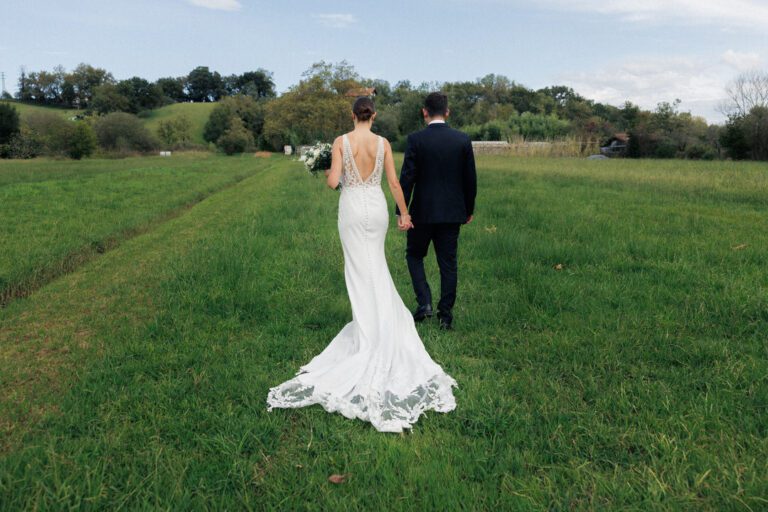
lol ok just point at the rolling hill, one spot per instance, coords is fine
(197, 113)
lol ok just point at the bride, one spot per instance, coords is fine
(376, 369)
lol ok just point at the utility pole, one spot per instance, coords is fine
(2, 77)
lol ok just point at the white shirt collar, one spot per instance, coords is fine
(436, 121)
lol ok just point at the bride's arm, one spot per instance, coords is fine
(334, 176)
(394, 186)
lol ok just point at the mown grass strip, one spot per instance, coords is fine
(50, 227)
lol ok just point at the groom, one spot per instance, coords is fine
(439, 172)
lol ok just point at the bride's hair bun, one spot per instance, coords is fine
(363, 108)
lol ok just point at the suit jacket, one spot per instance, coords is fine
(438, 177)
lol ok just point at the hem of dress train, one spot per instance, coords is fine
(442, 400)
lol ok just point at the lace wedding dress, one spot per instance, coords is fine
(376, 369)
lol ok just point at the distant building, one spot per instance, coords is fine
(616, 145)
(361, 91)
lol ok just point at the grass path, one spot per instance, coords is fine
(52, 222)
(635, 377)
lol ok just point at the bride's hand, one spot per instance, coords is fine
(404, 222)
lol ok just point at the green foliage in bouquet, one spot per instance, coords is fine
(317, 158)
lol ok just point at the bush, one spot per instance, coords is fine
(52, 130)
(700, 152)
(236, 139)
(539, 127)
(9, 122)
(246, 108)
(490, 131)
(386, 123)
(82, 141)
(175, 132)
(123, 132)
(25, 144)
(665, 148)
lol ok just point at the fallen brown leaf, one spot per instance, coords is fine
(490, 229)
(338, 479)
(739, 247)
(559, 266)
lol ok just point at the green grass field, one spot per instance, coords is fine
(24, 109)
(58, 214)
(197, 113)
(610, 349)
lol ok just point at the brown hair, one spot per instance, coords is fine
(363, 108)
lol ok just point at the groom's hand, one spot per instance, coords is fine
(469, 219)
(404, 222)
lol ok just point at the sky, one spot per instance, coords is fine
(644, 51)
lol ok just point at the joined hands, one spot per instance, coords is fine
(404, 222)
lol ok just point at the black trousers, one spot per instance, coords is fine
(445, 238)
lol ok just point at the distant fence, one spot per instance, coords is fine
(565, 147)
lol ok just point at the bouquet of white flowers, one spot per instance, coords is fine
(317, 158)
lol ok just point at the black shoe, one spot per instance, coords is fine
(422, 312)
(446, 322)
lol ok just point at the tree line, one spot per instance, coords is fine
(92, 88)
(250, 115)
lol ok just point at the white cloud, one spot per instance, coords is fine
(219, 5)
(752, 13)
(742, 61)
(336, 20)
(698, 82)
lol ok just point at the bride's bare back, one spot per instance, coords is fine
(364, 149)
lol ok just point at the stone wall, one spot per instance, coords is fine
(490, 147)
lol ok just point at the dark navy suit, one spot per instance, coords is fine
(439, 182)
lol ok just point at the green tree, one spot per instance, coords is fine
(141, 94)
(309, 112)
(387, 121)
(250, 111)
(45, 87)
(108, 98)
(85, 79)
(175, 132)
(339, 77)
(203, 85)
(120, 131)
(746, 136)
(82, 141)
(51, 130)
(9, 122)
(24, 144)
(257, 84)
(236, 138)
(172, 88)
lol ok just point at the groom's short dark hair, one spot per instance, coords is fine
(436, 104)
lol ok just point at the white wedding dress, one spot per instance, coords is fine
(376, 369)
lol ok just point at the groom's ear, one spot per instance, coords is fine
(447, 113)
